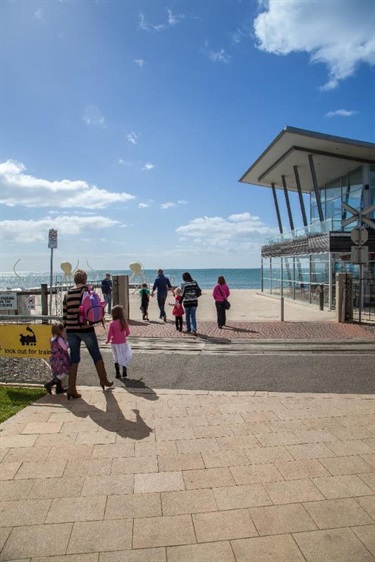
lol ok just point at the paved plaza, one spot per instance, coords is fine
(138, 474)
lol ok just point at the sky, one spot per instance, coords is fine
(126, 125)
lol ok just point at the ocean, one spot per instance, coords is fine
(207, 278)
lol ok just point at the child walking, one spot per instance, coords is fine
(118, 331)
(59, 359)
(145, 300)
(178, 310)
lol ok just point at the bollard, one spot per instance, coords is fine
(321, 297)
(282, 309)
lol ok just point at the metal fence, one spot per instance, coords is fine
(363, 298)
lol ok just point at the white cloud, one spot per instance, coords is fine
(338, 33)
(143, 205)
(21, 189)
(219, 56)
(139, 62)
(123, 162)
(341, 113)
(167, 205)
(244, 229)
(30, 231)
(93, 116)
(39, 15)
(182, 202)
(173, 19)
(148, 166)
(132, 137)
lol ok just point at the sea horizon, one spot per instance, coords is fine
(236, 278)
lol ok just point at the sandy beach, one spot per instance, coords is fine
(247, 305)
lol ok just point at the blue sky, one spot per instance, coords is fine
(126, 125)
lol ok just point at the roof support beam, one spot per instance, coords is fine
(291, 224)
(301, 202)
(277, 207)
(316, 188)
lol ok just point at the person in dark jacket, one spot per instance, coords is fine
(107, 291)
(190, 293)
(162, 285)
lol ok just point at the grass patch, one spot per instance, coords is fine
(13, 399)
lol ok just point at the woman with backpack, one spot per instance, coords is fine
(190, 294)
(78, 332)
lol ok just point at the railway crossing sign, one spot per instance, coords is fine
(359, 215)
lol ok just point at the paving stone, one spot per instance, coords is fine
(204, 552)
(15, 441)
(197, 445)
(156, 448)
(314, 436)
(342, 486)
(338, 466)
(267, 416)
(40, 428)
(280, 548)
(223, 525)
(366, 534)
(173, 433)
(188, 461)
(9, 469)
(41, 470)
(268, 454)
(163, 531)
(55, 487)
(212, 431)
(329, 514)
(15, 489)
(217, 459)
(70, 558)
(114, 450)
(158, 482)
(254, 473)
(368, 504)
(306, 468)
(236, 497)
(66, 510)
(108, 485)
(96, 536)
(70, 452)
(4, 534)
(311, 451)
(28, 454)
(144, 555)
(281, 519)
(370, 459)
(237, 442)
(88, 467)
(188, 501)
(369, 479)
(56, 439)
(133, 505)
(37, 540)
(353, 447)
(207, 478)
(95, 438)
(293, 491)
(249, 428)
(23, 512)
(335, 545)
(134, 465)
(277, 439)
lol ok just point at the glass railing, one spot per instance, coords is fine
(314, 228)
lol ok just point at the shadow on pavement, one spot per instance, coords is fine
(144, 391)
(113, 419)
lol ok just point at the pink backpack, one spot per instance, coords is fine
(91, 310)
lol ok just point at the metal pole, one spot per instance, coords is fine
(50, 283)
(282, 291)
(360, 293)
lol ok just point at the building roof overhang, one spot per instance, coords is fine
(332, 156)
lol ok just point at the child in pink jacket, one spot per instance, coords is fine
(118, 331)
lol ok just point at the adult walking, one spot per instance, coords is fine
(190, 294)
(77, 333)
(221, 293)
(162, 285)
(107, 291)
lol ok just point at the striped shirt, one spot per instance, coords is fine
(189, 294)
(72, 301)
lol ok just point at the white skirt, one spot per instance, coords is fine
(122, 353)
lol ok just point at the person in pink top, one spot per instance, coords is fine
(118, 331)
(221, 293)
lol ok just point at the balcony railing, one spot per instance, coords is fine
(314, 228)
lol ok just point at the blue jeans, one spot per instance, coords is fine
(191, 320)
(161, 305)
(108, 301)
(91, 342)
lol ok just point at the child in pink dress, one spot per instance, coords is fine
(178, 310)
(59, 359)
(118, 331)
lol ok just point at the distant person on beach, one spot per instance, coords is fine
(221, 293)
(107, 291)
(162, 285)
(190, 294)
(77, 333)
(178, 310)
(59, 359)
(144, 293)
(118, 331)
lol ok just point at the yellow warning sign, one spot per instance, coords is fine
(25, 340)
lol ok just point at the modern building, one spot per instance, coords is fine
(332, 180)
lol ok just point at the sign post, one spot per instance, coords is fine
(359, 255)
(52, 243)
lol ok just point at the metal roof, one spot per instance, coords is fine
(333, 157)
